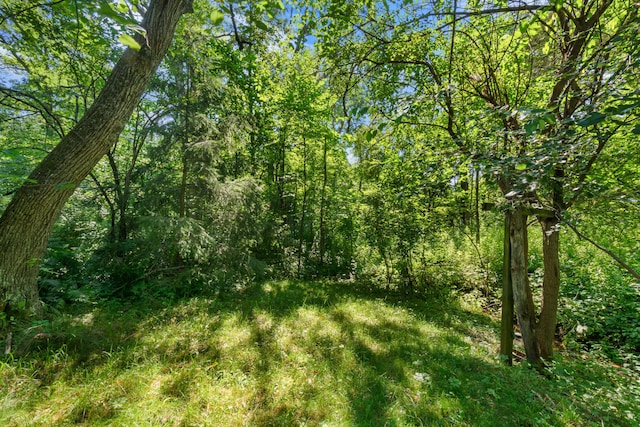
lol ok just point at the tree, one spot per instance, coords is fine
(27, 221)
(520, 91)
(552, 130)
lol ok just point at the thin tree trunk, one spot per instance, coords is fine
(522, 297)
(304, 205)
(185, 147)
(110, 204)
(279, 175)
(123, 187)
(120, 199)
(408, 267)
(546, 329)
(477, 203)
(323, 201)
(123, 230)
(183, 189)
(387, 267)
(506, 328)
(27, 222)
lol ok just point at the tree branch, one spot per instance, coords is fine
(616, 258)
(28, 8)
(460, 15)
(45, 111)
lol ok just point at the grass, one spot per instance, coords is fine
(296, 353)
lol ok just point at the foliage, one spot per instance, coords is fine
(601, 305)
(346, 141)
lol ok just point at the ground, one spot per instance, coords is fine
(296, 353)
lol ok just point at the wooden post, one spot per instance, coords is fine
(506, 328)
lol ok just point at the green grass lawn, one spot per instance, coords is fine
(296, 353)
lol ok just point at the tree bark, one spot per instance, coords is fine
(27, 222)
(522, 297)
(506, 328)
(546, 329)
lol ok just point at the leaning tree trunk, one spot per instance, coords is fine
(546, 329)
(27, 222)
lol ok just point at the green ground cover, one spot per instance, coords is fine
(297, 353)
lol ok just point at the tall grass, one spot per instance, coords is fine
(296, 353)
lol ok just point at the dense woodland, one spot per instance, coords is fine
(157, 151)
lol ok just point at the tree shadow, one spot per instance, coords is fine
(386, 353)
(384, 365)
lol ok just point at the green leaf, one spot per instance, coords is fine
(636, 130)
(621, 109)
(122, 7)
(592, 119)
(370, 134)
(216, 17)
(129, 41)
(261, 25)
(13, 154)
(531, 127)
(521, 167)
(105, 9)
(549, 118)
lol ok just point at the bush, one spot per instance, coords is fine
(600, 306)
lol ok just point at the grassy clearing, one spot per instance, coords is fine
(296, 353)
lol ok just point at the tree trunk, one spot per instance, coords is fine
(110, 204)
(476, 208)
(387, 267)
(506, 328)
(120, 199)
(550, 286)
(182, 203)
(522, 297)
(303, 207)
(323, 202)
(26, 224)
(185, 147)
(284, 211)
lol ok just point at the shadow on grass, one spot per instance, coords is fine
(308, 353)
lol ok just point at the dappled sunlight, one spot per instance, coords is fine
(288, 353)
(318, 213)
